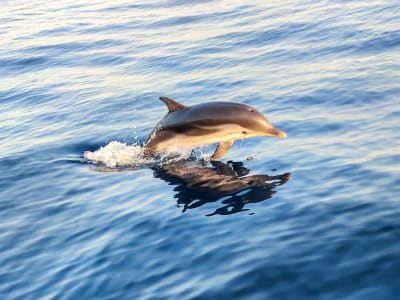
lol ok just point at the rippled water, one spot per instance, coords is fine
(313, 216)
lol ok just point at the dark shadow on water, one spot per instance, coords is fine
(198, 183)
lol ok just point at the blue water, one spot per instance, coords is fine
(313, 216)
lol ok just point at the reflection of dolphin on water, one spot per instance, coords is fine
(198, 184)
(207, 123)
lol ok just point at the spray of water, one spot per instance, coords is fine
(120, 155)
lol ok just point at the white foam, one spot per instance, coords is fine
(116, 154)
(121, 155)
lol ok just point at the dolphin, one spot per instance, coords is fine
(207, 123)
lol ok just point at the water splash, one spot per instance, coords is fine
(118, 155)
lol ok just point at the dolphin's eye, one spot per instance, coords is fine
(252, 110)
(244, 132)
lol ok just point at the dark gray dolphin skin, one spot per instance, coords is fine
(207, 123)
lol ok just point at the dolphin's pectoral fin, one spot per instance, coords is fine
(171, 104)
(222, 149)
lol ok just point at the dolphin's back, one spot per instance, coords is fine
(209, 114)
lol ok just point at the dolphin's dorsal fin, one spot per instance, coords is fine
(171, 104)
(221, 150)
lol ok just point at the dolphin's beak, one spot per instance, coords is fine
(276, 132)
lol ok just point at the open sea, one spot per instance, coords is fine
(314, 216)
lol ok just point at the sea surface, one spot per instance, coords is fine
(314, 216)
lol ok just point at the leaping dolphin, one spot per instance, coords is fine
(207, 123)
